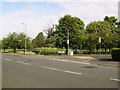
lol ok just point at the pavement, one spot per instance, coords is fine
(28, 71)
(104, 60)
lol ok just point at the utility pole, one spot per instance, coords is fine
(100, 46)
(68, 42)
(25, 35)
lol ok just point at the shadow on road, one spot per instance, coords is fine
(108, 59)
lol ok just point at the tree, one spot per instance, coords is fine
(104, 29)
(13, 41)
(73, 26)
(0, 44)
(39, 40)
(50, 40)
(115, 24)
(5, 43)
(21, 40)
(16, 41)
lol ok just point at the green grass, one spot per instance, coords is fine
(48, 50)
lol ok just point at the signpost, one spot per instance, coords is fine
(68, 42)
(100, 46)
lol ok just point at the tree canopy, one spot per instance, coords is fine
(73, 26)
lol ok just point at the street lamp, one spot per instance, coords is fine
(68, 42)
(25, 35)
(100, 46)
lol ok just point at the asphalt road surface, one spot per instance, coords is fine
(25, 71)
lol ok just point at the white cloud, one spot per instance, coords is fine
(90, 11)
(11, 22)
(37, 19)
(60, 0)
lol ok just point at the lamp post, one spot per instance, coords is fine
(100, 46)
(68, 42)
(25, 35)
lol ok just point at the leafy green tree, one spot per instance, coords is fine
(21, 40)
(39, 40)
(115, 25)
(111, 19)
(73, 26)
(16, 41)
(5, 43)
(13, 41)
(50, 40)
(0, 44)
(104, 29)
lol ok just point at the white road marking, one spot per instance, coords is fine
(71, 61)
(17, 61)
(114, 79)
(7, 59)
(27, 64)
(23, 63)
(62, 70)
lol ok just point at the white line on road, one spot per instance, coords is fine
(7, 59)
(27, 64)
(71, 61)
(23, 63)
(114, 79)
(62, 70)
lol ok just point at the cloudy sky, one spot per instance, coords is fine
(40, 14)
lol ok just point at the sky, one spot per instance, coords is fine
(41, 14)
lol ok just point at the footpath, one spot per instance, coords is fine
(104, 60)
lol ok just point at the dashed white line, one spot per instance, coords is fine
(27, 64)
(62, 60)
(114, 79)
(62, 70)
(7, 59)
(23, 63)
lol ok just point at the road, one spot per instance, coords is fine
(26, 71)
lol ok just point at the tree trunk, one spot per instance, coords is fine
(14, 50)
(109, 50)
(4, 49)
(105, 49)
(66, 51)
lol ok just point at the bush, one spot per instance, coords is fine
(45, 52)
(116, 54)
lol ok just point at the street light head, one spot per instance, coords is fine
(23, 23)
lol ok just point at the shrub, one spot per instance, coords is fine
(45, 52)
(116, 54)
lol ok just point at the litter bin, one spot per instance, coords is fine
(71, 53)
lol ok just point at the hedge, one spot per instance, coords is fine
(116, 54)
(45, 52)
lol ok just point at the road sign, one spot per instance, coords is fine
(67, 41)
(99, 39)
(61, 51)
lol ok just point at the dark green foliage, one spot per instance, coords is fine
(116, 54)
(39, 41)
(104, 29)
(45, 52)
(16, 41)
(73, 26)
(5, 43)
